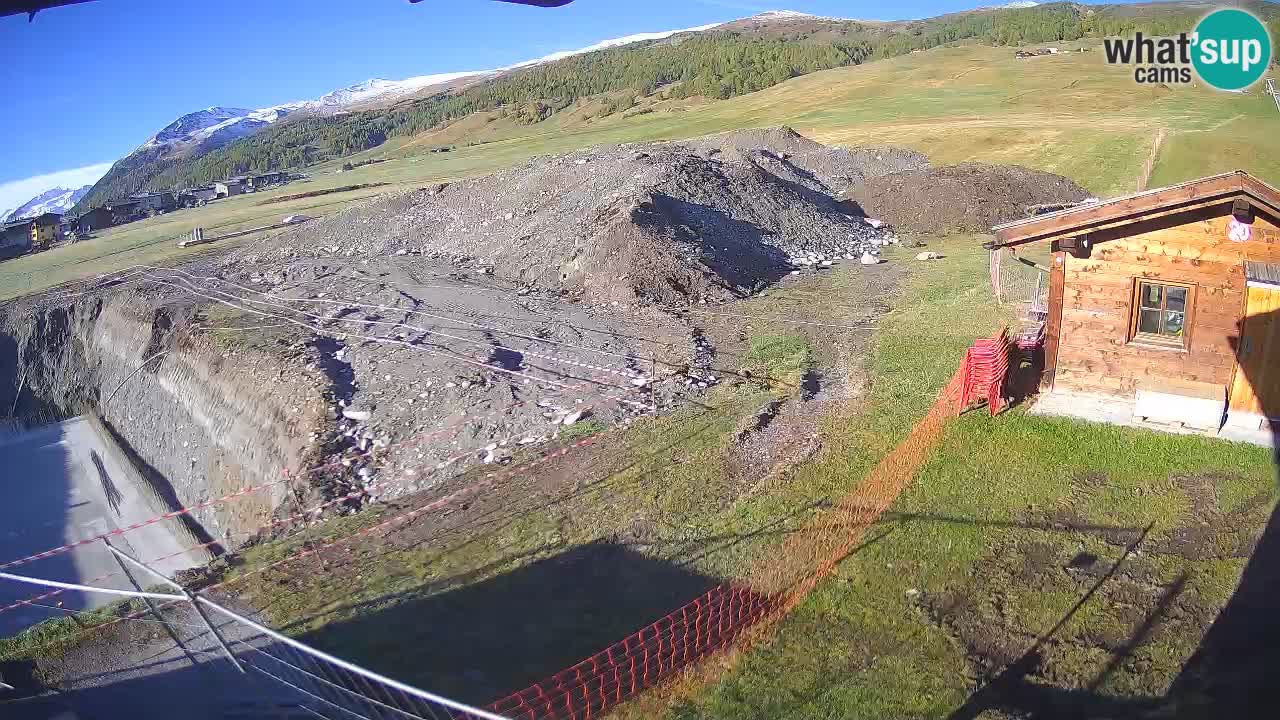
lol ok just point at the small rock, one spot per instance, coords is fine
(869, 259)
(573, 417)
(928, 256)
(357, 415)
(877, 224)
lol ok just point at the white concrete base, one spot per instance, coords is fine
(1115, 410)
(1247, 421)
(1194, 405)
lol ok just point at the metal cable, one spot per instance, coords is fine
(331, 683)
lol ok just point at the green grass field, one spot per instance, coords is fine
(1069, 114)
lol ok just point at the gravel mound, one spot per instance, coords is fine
(821, 167)
(670, 223)
(970, 197)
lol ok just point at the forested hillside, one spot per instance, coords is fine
(740, 58)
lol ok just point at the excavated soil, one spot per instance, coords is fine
(451, 326)
(971, 197)
(426, 331)
(711, 220)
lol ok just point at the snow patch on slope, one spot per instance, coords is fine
(377, 88)
(606, 44)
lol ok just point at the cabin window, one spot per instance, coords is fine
(1160, 312)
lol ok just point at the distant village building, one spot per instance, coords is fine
(153, 202)
(99, 218)
(30, 234)
(234, 186)
(195, 196)
(258, 182)
(45, 231)
(15, 238)
(123, 211)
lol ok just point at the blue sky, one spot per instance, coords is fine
(89, 83)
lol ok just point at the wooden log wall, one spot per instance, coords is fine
(1094, 352)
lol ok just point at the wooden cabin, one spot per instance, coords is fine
(1168, 299)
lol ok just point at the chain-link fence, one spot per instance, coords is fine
(1019, 281)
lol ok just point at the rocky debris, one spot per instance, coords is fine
(928, 255)
(971, 197)
(811, 163)
(671, 223)
(460, 323)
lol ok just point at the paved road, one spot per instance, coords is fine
(59, 484)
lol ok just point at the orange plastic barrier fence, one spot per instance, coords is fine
(779, 582)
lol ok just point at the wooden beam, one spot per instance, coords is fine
(1053, 326)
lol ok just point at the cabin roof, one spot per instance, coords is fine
(1264, 273)
(1095, 215)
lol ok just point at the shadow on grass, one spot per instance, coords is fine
(478, 642)
(1233, 671)
(1013, 692)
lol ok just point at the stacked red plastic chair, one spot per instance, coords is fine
(986, 365)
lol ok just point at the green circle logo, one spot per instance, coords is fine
(1230, 49)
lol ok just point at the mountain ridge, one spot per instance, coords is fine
(55, 200)
(364, 115)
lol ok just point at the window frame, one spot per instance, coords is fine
(1136, 337)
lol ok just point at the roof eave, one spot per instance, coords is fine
(1120, 211)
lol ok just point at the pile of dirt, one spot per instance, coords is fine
(669, 223)
(819, 166)
(970, 197)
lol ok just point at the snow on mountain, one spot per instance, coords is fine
(57, 200)
(606, 44)
(216, 126)
(786, 15)
(213, 127)
(378, 89)
(188, 126)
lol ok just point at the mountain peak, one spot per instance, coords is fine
(55, 200)
(779, 14)
(380, 89)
